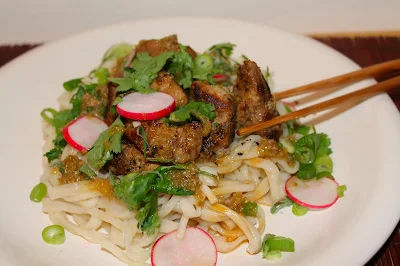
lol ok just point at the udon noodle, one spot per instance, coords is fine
(109, 223)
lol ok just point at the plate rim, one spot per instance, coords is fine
(25, 56)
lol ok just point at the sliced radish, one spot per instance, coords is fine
(220, 77)
(82, 132)
(314, 194)
(150, 106)
(196, 248)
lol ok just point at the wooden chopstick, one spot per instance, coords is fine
(356, 96)
(367, 72)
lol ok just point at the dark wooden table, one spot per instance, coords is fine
(364, 51)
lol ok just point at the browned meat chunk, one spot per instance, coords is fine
(157, 47)
(254, 101)
(95, 102)
(110, 116)
(222, 129)
(166, 83)
(129, 160)
(179, 144)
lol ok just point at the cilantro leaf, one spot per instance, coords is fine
(140, 190)
(53, 154)
(164, 185)
(72, 84)
(134, 187)
(146, 69)
(106, 145)
(312, 151)
(185, 112)
(86, 170)
(125, 84)
(181, 67)
(101, 74)
(147, 215)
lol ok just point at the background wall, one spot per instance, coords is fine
(43, 20)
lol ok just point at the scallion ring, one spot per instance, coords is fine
(45, 115)
(54, 234)
(273, 255)
(38, 192)
(204, 62)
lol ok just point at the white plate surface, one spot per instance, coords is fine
(365, 141)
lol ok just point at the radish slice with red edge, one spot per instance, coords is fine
(82, 132)
(197, 248)
(313, 193)
(150, 106)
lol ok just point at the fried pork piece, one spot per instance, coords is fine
(166, 83)
(157, 47)
(129, 160)
(180, 144)
(254, 101)
(222, 129)
(166, 44)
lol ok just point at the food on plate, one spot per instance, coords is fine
(142, 157)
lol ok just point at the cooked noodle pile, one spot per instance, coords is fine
(245, 174)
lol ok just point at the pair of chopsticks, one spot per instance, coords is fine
(337, 82)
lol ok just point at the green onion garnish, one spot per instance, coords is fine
(299, 210)
(273, 242)
(38, 192)
(250, 209)
(45, 115)
(340, 190)
(273, 255)
(54, 234)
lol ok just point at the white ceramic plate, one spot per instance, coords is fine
(365, 142)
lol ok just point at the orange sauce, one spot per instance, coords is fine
(103, 186)
(70, 170)
(269, 149)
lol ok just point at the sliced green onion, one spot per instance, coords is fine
(299, 210)
(208, 174)
(102, 75)
(340, 190)
(303, 130)
(287, 145)
(324, 164)
(38, 192)
(54, 234)
(286, 202)
(281, 243)
(250, 209)
(273, 255)
(72, 84)
(45, 115)
(204, 62)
